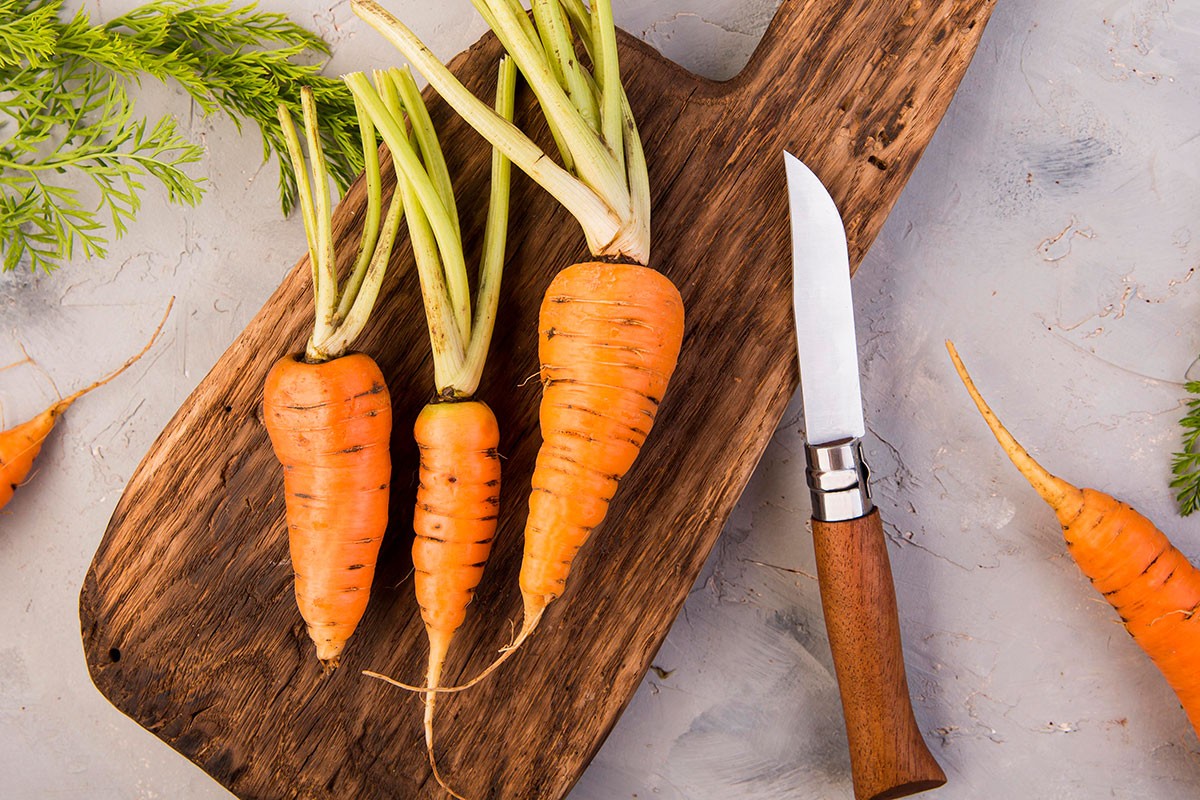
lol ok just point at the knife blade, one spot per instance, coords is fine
(888, 756)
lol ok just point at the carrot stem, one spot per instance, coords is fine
(339, 315)
(581, 21)
(594, 162)
(555, 32)
(1055, 491)
(608, 75)
(326, 289)
(460, 344)
(370, 232)
(560, 142)
(603, 223)
(409, 165)
(434, 162)
(431, 151)
(367, 291)
(495, 240)
(444, 334)
(296, 154)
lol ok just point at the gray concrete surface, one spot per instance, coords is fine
(1047, 231)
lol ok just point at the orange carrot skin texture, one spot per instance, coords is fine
(1150, 583)
(458, 502)
(20, 446)
(609, 339)
(330, 425)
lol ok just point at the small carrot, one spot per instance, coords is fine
(458, 497)
(20, 446)
(328, 412)
(1150, 583)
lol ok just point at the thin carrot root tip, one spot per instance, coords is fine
(437, 775)
(527, 628)
(1064, 498)
(25, 360)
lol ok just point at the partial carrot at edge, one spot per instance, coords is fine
(1150, 583)
(20, 446)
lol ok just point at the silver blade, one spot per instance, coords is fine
(825, 340)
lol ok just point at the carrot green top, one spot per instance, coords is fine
(460, 343)
(341, 314)
(603, 178)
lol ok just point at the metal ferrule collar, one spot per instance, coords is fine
(838, 478)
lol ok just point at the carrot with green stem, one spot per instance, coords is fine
(21, 445)
(327, 410)
(1150, 583)
(458, 496)
(610, 329)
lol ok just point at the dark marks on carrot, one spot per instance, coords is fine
(1154, 560)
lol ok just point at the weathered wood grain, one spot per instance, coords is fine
(188, 619)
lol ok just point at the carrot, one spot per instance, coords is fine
(1150, 583)
(458, 497)
(330, 423)
(458, 504)
(327, 411)
(20, 446)
(611, 328)
(609, 341)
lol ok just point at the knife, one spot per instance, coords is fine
(888, 757)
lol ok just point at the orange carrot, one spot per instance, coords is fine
(20, 446)
(330, 424)
(609, 337)
(458, 503)
(328, 413)
(458, 498)
(1150, 583)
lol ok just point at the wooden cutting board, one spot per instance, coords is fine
(188, 618)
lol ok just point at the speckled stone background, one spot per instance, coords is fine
(1048, 231)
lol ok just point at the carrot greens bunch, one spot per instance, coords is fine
(603, 179)
(1186, 465)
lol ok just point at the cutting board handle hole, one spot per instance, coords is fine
(114, 654)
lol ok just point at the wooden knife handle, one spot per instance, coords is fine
(888, 757)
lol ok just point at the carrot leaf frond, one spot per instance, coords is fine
(1186, 464)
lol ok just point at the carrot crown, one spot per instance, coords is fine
(341, 313)
(460, 343)
(603, 179)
